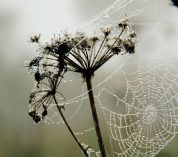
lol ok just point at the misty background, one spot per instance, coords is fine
(157, 28)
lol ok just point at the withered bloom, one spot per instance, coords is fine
(78, 53)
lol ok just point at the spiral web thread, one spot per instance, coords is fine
(144, 120)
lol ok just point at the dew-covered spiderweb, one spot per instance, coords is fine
(139, 104)
(136, 102)
(143, 116)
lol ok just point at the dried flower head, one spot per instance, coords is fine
(78, 53)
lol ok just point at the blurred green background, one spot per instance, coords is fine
(19, 19)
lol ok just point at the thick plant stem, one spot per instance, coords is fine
(69, 128)
(95, 116)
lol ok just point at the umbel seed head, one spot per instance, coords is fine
(78, 53)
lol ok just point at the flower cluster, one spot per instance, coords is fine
(78, 53)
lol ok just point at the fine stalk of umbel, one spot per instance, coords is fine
(69, 128)
(95, 117)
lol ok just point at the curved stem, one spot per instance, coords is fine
(69, 128)
(95, 117)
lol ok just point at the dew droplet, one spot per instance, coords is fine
(64, 81)
(106, 16)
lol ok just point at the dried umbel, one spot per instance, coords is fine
(78, 53)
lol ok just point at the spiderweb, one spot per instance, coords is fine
(140, 105)
(138, 100)
(144, 119)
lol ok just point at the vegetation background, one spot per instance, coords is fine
(19, 19)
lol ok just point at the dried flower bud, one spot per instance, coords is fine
(123, 24)
(35, 61)
(133, 35)
(116, 50)
(35, 38)
(45, 112)
(38, 76)
(32, 113)
(37, 118)
(119, 42)
(48, 48)
(32, 96)
(106, 31)
(129, 46)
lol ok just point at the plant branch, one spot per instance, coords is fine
(95, 117)
(69, 128)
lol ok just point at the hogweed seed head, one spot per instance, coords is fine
(78, 53)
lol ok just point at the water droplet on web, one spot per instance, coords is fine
(64, 81)
(177, 120)
(115, 95)
(106, 16)
(138, 12)
(176, 98)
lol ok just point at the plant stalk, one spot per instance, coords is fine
(95, 117)
(69, 128)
